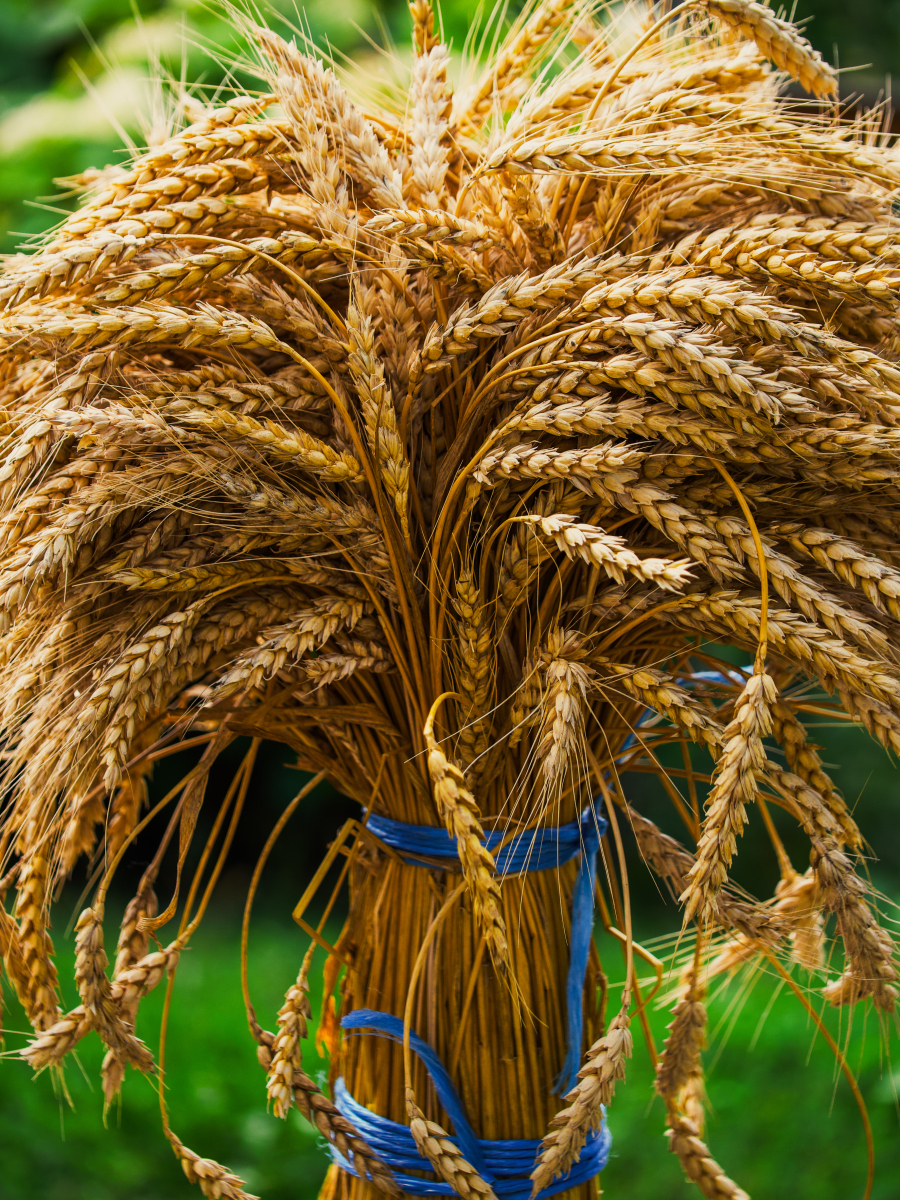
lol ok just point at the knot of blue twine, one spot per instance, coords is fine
(505, 1165)
(539, 849)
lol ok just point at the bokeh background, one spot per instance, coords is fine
(80, 82)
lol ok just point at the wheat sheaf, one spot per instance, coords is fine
(447, 435)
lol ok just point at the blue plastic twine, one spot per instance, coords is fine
(505, 1165)
(532, 850)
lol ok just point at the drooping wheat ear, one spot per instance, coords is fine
(672, 863)
(735, 786)
(96, 993)
(685, 1141)
(128, 987)
(433, 1143)
(803, 759)
(660, 692)
(778, 40)
(379, 413)
(870, 968)
(214, 1180)
(322, 1113)
(798, 913)
(39, 980)
(680, 1064)
(604, 1067)
(459, 810)
(566, 683)
(132, 946)
(475, 666)
(13, 959)
(849, 561)
(286, 1060)
(797, 899)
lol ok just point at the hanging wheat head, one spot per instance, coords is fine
(441, 436)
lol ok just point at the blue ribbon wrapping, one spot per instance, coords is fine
(531, 850)
(505, 1165)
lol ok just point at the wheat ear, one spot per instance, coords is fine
(694, 1156)
(460, 812)
(449, 1163)
(286, 1060)
(604, 1067)
(735, 786)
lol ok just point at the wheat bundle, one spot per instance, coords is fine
(447, 439)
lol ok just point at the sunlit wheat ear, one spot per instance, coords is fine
(604, 1067)
(735, 786)
(460, 811)
(445, 429)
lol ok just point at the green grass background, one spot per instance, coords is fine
(782, 1120)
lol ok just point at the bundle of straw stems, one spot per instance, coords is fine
(441, 433)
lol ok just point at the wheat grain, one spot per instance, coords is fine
(778, 40)
(459, 809)
(733, 788)
(423, 26)
(447, 1160)
(700, 1168)
(286, 1060)
(604, 1067)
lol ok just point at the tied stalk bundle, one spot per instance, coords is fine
(446, 437)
